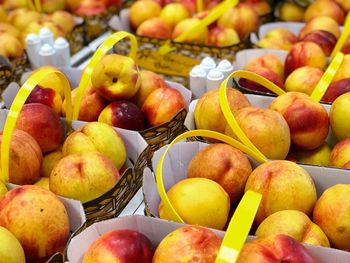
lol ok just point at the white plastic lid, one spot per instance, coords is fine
(46, 50)
(32, 38)
(60, 43)
(198, 71)
(215, 74)
(45, 32)
(225, 65)
(208, 62)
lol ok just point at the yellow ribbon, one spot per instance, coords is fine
(199, 5)
(239, 228)
(34, 5)
(31, 5)
(343, 37)
(225, 107)
(243, 218)
(16, 107)
(210, 18)
(327, 77)
(98, 55)
(38, 5)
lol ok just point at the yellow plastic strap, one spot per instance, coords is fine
(343, 37)
(31, 5)
(213, 16)
(205, 133)
(16, 107)
(258, 79)
(38, 5)
(239, 228)
(199, 6)
(327, 77)
(98, 55)
(231, 120)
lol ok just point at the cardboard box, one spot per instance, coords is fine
(75, 213)
(156, 136)
(156, 229)
(174, 65)
(111, 203)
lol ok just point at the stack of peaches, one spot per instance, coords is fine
(120, 95)
(187, 244)
(291, 11)
(301, 71)
(15, 25)
(168, 21)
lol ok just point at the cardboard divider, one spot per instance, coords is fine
(156, 229)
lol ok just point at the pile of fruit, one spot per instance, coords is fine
(294, 126)
(301, 71)
(120, 95)
(188, 243)
(291, 11)
(169, 20)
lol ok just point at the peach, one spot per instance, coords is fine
(200, 36)
(321, 23)
(264, 72)
(46, 96)
(275, 248)
(63, 19)
(90, 8)
(83, 176)
(73, 5)
(149, 82)
(188, 244)
(303, 79)
(123, 114)
(241, 18)
(338, 116)
(222, 36)
(279, 38)
(116, 77)
(22, 17)
(225, 165)
(304, 53)
(337, 88)
(49, 162)
(52, 81)
(45, 229)
(154, 27)
(344, 4)
(208, 114)
(284, 185)
(319, 156)
(10, 46)
(289, 11)
(35, 27)
(91, 105)
(346, 47)
(25, 158)
(120, 246)
(173, 13)
(324, 39)
(212, 209)
(162, 105)
(261, 7)
(11, 250)
(10, 29)
(14, 4)
(41, 122)
(266, 129)
(270, 61)
(96, 137)
(325, 8)
(340, 155)
(143, 10)
(343, 71)
(306, 118)
(332, 214)
(295, 224)
(43, 182)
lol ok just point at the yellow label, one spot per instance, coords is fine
(168, 64)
